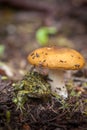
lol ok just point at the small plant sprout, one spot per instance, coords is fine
(42, 34)
(2, 50)
(8, 116)
(57, 60)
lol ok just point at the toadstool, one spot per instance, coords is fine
(57, 60)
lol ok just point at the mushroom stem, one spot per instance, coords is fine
(57, 83)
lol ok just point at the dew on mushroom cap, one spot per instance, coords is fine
(57, 59)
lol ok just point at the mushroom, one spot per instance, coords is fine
(57, 60)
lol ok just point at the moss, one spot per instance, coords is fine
(32, 85)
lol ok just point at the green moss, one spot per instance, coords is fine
(32, 85)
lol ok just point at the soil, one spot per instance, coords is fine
(18, 28)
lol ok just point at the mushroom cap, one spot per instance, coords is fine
(55, 57)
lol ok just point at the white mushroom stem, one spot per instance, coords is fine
(57, 83)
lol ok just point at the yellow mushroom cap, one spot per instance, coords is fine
(54, 58)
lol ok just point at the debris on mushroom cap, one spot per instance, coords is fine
(54, 58)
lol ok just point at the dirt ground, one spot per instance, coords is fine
(18, 27)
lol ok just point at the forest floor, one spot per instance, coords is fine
(18, 29)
